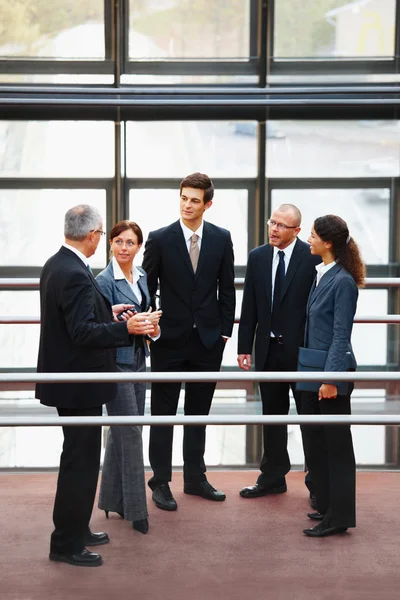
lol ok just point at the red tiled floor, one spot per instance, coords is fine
(236, 550)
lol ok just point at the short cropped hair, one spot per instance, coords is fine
(80, 220)
(294, 210)
(201, 181)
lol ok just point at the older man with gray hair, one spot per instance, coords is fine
(78, 335)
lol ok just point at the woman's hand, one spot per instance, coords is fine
(327, 390)
(117, 309)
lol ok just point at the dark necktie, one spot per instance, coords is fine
(276, 325)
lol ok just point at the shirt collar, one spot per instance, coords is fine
(288, 251)
(187, 233)
(78, 253)
(118, 273)
(321, 268)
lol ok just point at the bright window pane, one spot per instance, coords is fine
(56, 29)
(371, 303)
(153, 209)
(189, 29)
(32, 224)
(333, 149)
(175, 149)
(56, 149)
(366, 212)
(19, 343)
(334, 28)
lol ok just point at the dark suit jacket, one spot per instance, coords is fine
(255, 317)
(330, 315)
(76, 333)
(118, 291)
(205, 298)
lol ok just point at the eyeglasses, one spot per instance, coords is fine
(129, 243)
(281, 226)
(98, 231)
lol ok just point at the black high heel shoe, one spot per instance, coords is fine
(118, 513)
(142, 525)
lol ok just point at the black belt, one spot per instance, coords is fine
(277, 340)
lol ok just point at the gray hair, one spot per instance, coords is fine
(80, 220)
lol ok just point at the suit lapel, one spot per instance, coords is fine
(295, 259)
(144, 289)
(180, 244)
(325, 280)
(125, 289)
(266, 272)
(206, 249)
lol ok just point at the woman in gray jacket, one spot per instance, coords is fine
(122, 488)
(330, 313)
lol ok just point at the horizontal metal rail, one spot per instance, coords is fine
(202, 420)
(5, 320)
(33, 282)
(204, 376)
(277, 90)
(255, 376)
(201, 101)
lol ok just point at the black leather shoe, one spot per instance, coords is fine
(96, 539)
(257, 490)
(141, 525)
(321, 530)
(78, 559)
(163, 498)
(316, 516)
(313, 501)
(205, 490)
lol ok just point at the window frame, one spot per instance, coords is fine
(37, 66)
(250, 66)
(281, 66)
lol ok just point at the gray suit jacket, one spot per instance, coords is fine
(118, 291)
(330, 314)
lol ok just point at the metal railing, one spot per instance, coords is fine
(255, 376)
(33, 284)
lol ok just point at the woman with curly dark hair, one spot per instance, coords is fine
(330, 314)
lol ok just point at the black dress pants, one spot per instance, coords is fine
(330, 457)
(275, 462)
(77, 482)
(192, 357)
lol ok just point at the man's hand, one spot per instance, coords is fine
(244, 361)
(327, 390)
(140, 324)
(154, 319)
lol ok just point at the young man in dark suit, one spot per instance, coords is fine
(278, 280)
(77, 335)
(192, 261)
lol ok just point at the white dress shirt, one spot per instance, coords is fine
(136, 274)
(288, 251)
(322, 269)
(187, 234)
